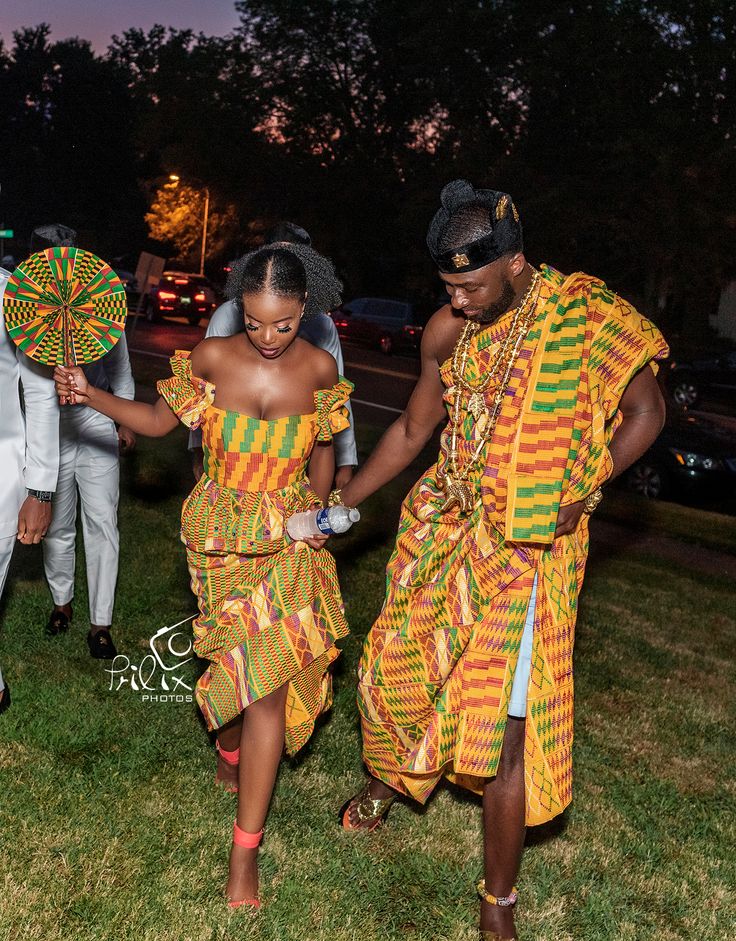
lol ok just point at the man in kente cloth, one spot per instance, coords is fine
(548, 383)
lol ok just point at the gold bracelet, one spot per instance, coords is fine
(592, 501)
(335, 499)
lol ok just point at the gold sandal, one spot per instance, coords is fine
(505, 901)
(370, 811)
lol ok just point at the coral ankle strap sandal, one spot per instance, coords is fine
(232, 759)
(248, 841)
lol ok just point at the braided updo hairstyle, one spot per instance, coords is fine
(276, 268)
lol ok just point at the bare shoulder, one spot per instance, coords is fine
(208, 353)
(319, 362)
(441, 333)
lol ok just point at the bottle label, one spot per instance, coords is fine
(323, 523)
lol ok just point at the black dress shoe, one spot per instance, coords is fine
(58, 623)
(101, 645)
(5, 701)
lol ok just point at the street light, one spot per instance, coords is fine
(174, 177)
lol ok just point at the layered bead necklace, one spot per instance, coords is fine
(454, 481)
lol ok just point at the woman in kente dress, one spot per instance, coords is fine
(270, 609)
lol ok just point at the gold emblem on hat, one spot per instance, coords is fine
(515, 212)
(460, 260)
(502, 206)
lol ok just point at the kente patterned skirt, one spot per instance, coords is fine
(267, 617)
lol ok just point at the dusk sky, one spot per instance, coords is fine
(98, 20)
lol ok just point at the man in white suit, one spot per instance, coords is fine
(89, 464)
(29, 452)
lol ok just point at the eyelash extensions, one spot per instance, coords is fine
(253, 328)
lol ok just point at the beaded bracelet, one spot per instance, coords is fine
(505, 901)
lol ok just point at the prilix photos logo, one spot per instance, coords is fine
(160, 677)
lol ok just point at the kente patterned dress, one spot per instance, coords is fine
(270, 609)
(439, 663)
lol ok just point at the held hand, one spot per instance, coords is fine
(316, 542)
(126, 439)
(568, 518)
(71, 385)
(33, 521)
(343, 476)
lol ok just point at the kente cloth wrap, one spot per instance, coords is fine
(270, 609)
(438, 665)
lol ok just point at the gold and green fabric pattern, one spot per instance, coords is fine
(65, 306)
(439, 662)
(270, 609)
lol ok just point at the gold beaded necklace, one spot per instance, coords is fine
(454, 480)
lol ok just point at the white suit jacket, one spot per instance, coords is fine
(112, 373)
(29, 436)
(319, 330)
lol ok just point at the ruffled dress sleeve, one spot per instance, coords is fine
(332, 414)
(187, 396)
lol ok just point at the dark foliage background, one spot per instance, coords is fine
(612, 122)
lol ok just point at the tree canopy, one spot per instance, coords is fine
(610, 121)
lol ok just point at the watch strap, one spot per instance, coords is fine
(43, 496)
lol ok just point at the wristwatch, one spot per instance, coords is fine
(43, 496)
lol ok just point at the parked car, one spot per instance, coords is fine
(127, 278)
(181, 294)
(391, 326)
(694, 458)
(686, 381)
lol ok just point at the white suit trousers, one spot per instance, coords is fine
(88, 463)
(7, 545)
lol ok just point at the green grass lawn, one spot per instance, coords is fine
(111, 826)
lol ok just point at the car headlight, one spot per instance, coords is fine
(696, 461)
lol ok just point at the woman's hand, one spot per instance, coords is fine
(71, 385)
(316, 542)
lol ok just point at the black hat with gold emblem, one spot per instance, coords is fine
(501, 231)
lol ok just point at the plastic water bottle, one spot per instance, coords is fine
(325, 522)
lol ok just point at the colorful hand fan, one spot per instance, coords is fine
(64, 307)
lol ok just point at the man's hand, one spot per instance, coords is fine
(197, 462)
(343, 475)
(568, 518)
(33, 521)
(126, 439)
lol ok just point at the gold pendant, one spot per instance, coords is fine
(476, 405)
(458, 493)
